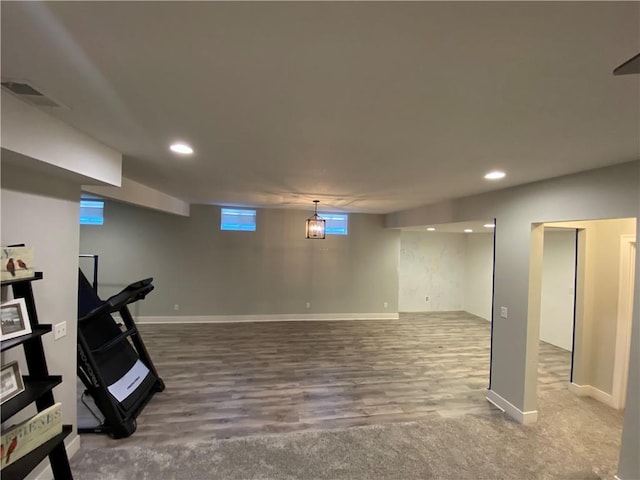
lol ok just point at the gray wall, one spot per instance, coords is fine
(274, 270)
(612, 192)
(558, 280)
(42, 212)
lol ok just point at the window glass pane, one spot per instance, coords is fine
(237, 219)
(91, 212)
(337, 223)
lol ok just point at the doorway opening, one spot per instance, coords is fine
(446, 271)
(587, 323)
(557, 308)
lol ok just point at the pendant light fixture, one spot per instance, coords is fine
(315, 225)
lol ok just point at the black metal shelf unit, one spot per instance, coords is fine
(38, 388)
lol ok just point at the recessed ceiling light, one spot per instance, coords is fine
(181, 148)
(468, 230)
(431, 229)
(495, 175)
(489, 225)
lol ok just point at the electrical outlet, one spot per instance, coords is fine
(60, 330)
(386, 304)
(426, 299)
(308, 305)
(503, 312)
(176, 307)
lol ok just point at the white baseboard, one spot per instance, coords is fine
(525, 418)
(580, 390)
(291, 317)
(72, 447)
(593, 392)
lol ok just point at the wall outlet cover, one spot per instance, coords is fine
(60, 330)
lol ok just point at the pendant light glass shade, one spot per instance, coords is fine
(315, 226)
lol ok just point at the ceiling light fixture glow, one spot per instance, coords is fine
(431, 229)
(489, 225)
(181, 148)
(495, 175)
(315, 225)
(468, 230)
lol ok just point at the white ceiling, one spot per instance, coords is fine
(366, 106)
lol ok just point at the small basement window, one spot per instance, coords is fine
(337, 223)
(91, 212)
(238, 219)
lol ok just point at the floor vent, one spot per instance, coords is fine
(30, 95)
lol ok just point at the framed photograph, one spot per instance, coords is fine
(11, 383)
(15, 319)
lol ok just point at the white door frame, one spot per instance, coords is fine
(625, 312)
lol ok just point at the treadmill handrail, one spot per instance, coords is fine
(131, 293)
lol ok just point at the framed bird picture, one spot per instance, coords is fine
(16, 262)
(15, 319)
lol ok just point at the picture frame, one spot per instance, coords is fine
(16, 262)
(14, 319)
(11, 383)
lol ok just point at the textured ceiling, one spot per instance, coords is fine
(366, 106)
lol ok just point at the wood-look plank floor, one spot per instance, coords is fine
(229, 380)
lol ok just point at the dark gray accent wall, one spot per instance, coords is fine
(274, 270)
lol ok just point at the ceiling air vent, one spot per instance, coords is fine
(30, 95)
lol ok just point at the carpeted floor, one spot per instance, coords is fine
(574, 439)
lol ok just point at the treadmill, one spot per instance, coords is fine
(113, 362)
